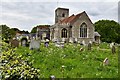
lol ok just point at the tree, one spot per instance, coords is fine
(5, 31)
(8, 33)
(34, 30)
(109, 30)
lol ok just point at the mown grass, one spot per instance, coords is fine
(85, 64)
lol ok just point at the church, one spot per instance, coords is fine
(77, 27)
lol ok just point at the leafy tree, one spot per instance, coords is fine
(34, 30)
(109, 30)
(8, 33)
(5, 31)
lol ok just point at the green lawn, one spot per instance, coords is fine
(85, 64)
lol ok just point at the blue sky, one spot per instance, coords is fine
(26, 14)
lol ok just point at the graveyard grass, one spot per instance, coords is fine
(85, 64)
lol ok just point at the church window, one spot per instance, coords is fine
(64, 33)
(83, 30)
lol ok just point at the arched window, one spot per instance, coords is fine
(64, 33)
(83, 30)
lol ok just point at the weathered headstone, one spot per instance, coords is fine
(89, 46)
(34, 44)
(113, 49)
(105, 62)
(14, 43)
(23, 42)
(60, 45)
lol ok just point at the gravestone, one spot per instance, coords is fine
(46, 43)
(60, 45)
(14, 43)
(105, 62)
(113, 49)
(89, 46)
(24, 42)
(34, 44)
(71, 40)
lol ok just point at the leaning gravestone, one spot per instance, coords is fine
(34, 44)
(89, 46)
(14, 43)
(105, 62)
(113, 49)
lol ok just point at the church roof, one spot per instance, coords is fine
(72, 18)
(96, 34)
(43, 26)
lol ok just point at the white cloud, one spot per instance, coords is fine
(26, 15)
(60, 0)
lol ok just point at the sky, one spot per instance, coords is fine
(26, 14)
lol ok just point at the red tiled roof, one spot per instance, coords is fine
(71, 18)
(43, 26)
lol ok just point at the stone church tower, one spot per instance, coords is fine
(60, 14)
